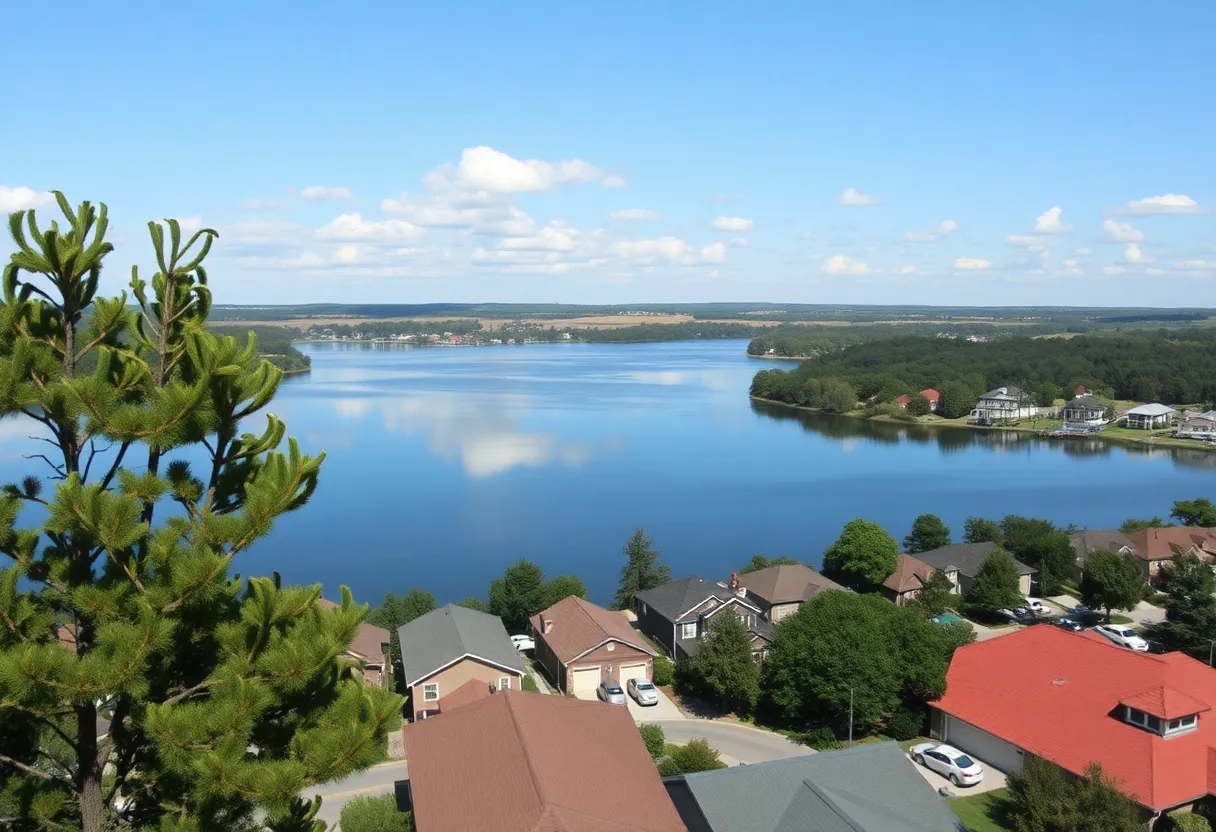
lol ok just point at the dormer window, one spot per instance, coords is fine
(1143, 720)
(1164, 727)
(1164, 711)
(1178, 726)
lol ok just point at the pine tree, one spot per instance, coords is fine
(642, 570)
(225, 698)
(928, 533)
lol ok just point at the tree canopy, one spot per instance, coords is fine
(1190, 610)
(1043, 798)
(642, 570)
(928, 533)
(120, 603)
(996, 584)
(864, 555)
(522, 591)
(397, 611)
(759, 562)
(1197, 512)
(937, 595)
(1111, 581)
(723, 669)
(980, 530)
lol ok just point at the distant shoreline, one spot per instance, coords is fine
(781, 357)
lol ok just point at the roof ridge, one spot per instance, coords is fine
(533, 775)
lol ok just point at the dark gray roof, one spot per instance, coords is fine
(445, 635)
(675, 598)
(1100, 540)
(967, 558)
(870, 788)
(1085, 403)
(1005, 392)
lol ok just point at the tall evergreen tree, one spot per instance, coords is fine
(642, 570)
(225, 698)
(1190, 612)
(518, 594)
(928, 533)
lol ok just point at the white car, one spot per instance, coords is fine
(643, 692)
(1037, 607)
(949, 762)
(1123, 636)
(523, 643)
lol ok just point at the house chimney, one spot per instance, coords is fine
(734, 581)
(493, 689)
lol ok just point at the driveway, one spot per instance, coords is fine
(992, 781)
(666, 710)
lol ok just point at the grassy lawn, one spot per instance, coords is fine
(982, 812)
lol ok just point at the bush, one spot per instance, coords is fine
(1186, 822)
(668, 767)
(654, 738)
(907, 722)
(664, 671)
(697, 756)
(820, 739)
(374, 814)
(530, 684)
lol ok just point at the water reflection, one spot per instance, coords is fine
(954, 439)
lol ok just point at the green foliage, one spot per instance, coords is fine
(1111, 581)
(696, 756)
(863, 556)
(563, 586)
(1101, 806)
(821, 738)
(723, 670)
(996, 584)
(836, 396)
(956, 400)
(1182, 821)
(908, 721)
(131, 557)
(396, 612)
(888, 655)
(642, 570)
(522, 592)
(1133, 525)
(274, 344)
(919, 406)
(530, 684)
(374, 814)
(956, 634)
(1197, 512)
(472, 603)
(1053, 555)
(668, 767)
(979, 530)
(1020, 533)
(1040, 797)
(928, 533)
(1190, 610)
(759, 562)
(654, 738)
(663, 672)
(937, 595)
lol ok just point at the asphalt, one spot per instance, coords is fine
(737, 743)
(376, 780)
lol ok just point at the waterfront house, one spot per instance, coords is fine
(870, 788)
(677, 614)
(1074, 699)
(1085, 413)
(933, 396)
(581, 644)
(1150, 416)
(1088, 541)
(961, 562)
(1155, 547)
(909, 578)
(903, 400)
(779, 591)
(446, 648)
(1197, 426)
(1005, 404)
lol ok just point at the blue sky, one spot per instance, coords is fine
(977, 153)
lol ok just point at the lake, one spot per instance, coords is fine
(446, 464)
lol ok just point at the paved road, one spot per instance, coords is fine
(376, 780)
(738, 743)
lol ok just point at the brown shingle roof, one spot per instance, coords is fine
(579, 626)
(1163, 543)
(525, 762)
(471, 691)
(909, 574)
(786, 584)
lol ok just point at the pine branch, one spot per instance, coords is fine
(42, 718)
(44, 775)
(122, 451)
(58, 469)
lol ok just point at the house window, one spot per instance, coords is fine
(504, 682)
(1143, 720)
(645, 609)
(611, 646)
(430, 692)
(688, 630)
(1180, 725)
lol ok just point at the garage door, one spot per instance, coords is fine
(989, 749)
(633, 671)
(583, 678)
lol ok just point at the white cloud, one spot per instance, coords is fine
(189, 224)
(484, 168)
(614, 181)
(1049, 222)
(907, 270)
(354, 227)
(316, 192)
(852, 196)
(733, 224)
(257, 204)
(946, 226)
(1132, 253)
(1083, 252)
(840, 264)
(1120, 232)
(972, 264)
(943, 228)
(713, 273)
(714, 253)
(1030, 242)
(672, 248)
(634, 215)
(22, 199)
(1195, 265)
(1072, 264)
(549, 238)
(739, 242)
(1164, 204)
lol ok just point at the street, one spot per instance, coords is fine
(376, 780)
(737, 743)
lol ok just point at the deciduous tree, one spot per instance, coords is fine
(563, 586)
(759, 562)
(1053, 555)
(1197, 512)
(642, 570)
(863, 556)
(1190, 611)
(996, 584)
(928, 533)
(956, 400)
(472, 603)
(397, 611)
(723, 669)
(919, 405)
(837, 396)
(980, 530)
(1111, 581)
(1133, 525)
(937, 595)
(120, 603)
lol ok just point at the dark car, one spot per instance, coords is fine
(1069, 624)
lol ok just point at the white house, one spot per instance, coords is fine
(1005, 404)
(1149, 416)
(1199, 426)
(1084, 413)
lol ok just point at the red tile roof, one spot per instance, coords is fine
(579, 626)
(1056, 694)
(526, 762)
(903, 400)
(931, 394)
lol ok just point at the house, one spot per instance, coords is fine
(1084, 543)
(1084, 413)
(523, 762)
(1075, 698)
(869, 788)
(903, 400)
(1150, 416)
(1005, 404)
(369, 648)
(1156, 547)
(778, 591)
(909, 578)
(1081, 390)
(581, 644)
(962, 561)
(677, 614)
(447, 647)
(1197, 426)
(933, 396)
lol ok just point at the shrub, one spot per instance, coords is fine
(822, 738)
(655, 739)
(1187, 822)
(530, 684)
(664, 671)
(668, 766)
(698, 755)
(907, 722)
(374, 814)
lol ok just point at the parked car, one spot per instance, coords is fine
(1037, 607)
(643, 692)
(523, 643)
(1123, 636)
(1069, 624)
(1019, 614)
(611, 692)
(949, 762)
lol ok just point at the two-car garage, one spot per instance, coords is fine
(993, 750)
(586, 679)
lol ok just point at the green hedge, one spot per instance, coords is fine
(374, 814)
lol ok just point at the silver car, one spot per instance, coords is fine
(643, 691)
(611, 692)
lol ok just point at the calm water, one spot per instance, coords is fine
(447, 464)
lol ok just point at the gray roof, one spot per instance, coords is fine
(1151, 410)
(450, 633)
(967, 558)
(1005, 393)
(870, 788)
(1100, 540)
(675, 598)
(1085, 403)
